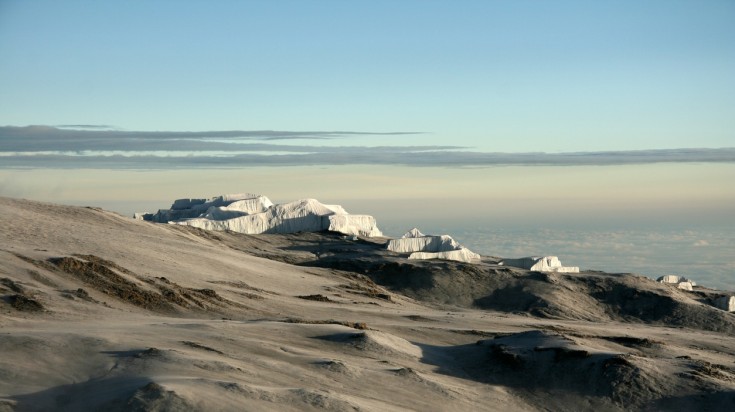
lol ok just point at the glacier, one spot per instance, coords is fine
(680, 282)
(540, 264)
(254, 214)
(421, 246)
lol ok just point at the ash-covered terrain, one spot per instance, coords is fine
(104, 312)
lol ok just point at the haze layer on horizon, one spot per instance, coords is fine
(543, 196)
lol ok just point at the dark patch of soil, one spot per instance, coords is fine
(240, 285)
(370, 291)
(116, 281)
(632, 342)
(703, 369)
(150, 353)
(474, 332)
(41, 279)
(419, 318)
(11, 285)
(202, 347)
(154, 397)
(317, 298)
(333, 366)
(100, 275)
(80, 293)
(24, 303)
(354, 325)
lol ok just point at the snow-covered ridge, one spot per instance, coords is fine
(254, 214)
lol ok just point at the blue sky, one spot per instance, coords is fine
(514, 76)
(460, 117)
(297, 99)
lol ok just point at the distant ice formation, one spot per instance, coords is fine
(540, 264)
(254, 214)
(422, 246)
(680, 282)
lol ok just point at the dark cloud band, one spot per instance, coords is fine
(51, 147)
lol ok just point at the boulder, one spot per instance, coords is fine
(685, 285)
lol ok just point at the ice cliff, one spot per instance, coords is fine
(540, 264)
(421, 246)
(253, 214)
(219, 208)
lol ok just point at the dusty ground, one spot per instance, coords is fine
(99, 311)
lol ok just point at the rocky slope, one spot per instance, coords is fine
(99, 311)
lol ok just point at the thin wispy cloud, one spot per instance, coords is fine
(98, 132)
(54, 147)
(86, 126)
